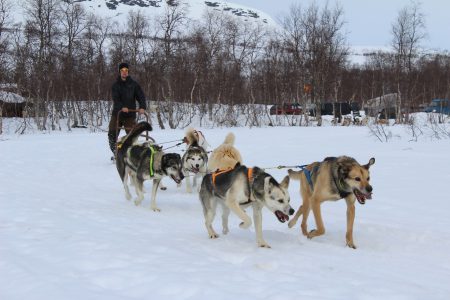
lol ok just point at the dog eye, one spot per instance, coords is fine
(368, 178)
(357, 179)
(280, 201)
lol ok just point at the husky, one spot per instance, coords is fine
(332, 179)
(238, 188)
(145, 161)
(226, 156)
(195, 159)
(195, 135)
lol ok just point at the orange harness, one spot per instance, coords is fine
(218, 172)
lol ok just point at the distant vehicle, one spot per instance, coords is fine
(388, 113)
(439, 106)
(286, 109)
(331, 108)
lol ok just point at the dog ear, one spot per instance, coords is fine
(267, 185)
(371, 162)
(285, 183)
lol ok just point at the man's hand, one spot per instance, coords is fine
(141, 111)
(125, 109)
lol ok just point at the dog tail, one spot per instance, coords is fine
(191, 136)
(229, 139)
(294, 174)
(134, 134)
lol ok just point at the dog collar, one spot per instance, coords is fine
(341, 190)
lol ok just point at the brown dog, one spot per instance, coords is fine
(332, 179)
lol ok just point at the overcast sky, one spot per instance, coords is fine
(369, 22)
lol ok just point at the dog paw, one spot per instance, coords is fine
(137, 202)
(245, 225)
(225, 230)
(155, 209)
(163, 188)
(128, 197)
(263, 245)
(213, 236)
(311, 234)
(351, 245)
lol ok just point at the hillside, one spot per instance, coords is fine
(118, 9)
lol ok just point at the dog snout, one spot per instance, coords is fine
(369, 188)
(197, 165)
(291, 211)
(181, 175)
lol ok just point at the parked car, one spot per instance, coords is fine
(286, 109)
(327, 108)
(439, 106)
(388, 113)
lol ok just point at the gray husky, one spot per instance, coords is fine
(145, 161)
(195, 159)
(239, 188)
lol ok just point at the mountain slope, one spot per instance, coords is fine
(118, 9)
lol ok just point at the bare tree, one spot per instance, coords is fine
(42, 32)
(5, 22)
(171, 23)
(136, 34)
(73, 21)
(408, 31)
(315, 40)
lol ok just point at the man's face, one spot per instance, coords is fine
(124, 73)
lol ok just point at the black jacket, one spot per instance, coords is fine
(125, 94)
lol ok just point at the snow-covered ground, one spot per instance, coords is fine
(67, 232)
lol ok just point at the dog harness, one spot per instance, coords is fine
(249, 177)
(218, 172)
(308, 173)
(152, 159)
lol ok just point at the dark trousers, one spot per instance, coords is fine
(114, 129)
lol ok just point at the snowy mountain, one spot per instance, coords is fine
(119, 9)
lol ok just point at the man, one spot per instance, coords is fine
(125, 93)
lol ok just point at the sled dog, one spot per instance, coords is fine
(195, 159)
(145, 161)
(332, 179)
(225, 156)
(195, 135)
(239, 188)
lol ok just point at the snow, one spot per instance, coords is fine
(11, 97)
(194, 9)
(67, 232)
